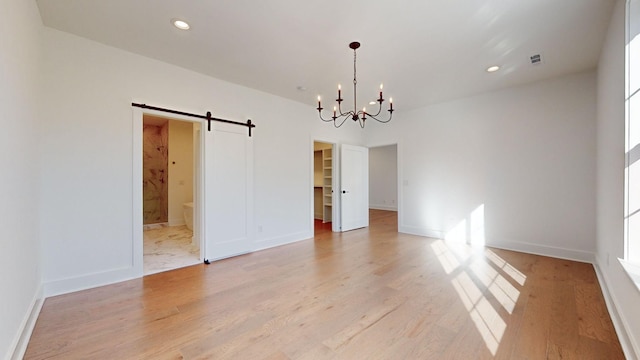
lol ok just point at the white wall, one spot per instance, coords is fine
(180, 169)
(525, 153)
(610, 192)
(383, 177)
(20, 35)
(87, 154)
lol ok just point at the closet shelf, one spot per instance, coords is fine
(327, 166)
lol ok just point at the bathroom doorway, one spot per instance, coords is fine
(170, 169)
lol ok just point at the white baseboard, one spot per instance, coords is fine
(19, 344)
(281, 240)
(65, 286)
(629, 346)
(383, 207)
(529, 248)
(420, 231)
(536, 249)
(544, 250)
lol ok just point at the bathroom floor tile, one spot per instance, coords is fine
(167, 248)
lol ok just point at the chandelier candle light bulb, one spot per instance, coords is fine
(339, 117)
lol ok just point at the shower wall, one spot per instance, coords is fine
(180, 169)
(155, 174)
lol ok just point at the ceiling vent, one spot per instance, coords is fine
(535, 59)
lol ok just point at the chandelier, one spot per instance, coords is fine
(360, 116)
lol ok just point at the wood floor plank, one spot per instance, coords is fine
(590, 305)
(563, 332)
(373, 315)
(369, 293)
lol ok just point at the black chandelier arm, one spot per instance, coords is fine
(337, 114)
(337, 121)
(379, 109)
(349, 113)
(323, 119)
(344, 119)
(374, 117)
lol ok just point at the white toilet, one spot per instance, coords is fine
(188, 215)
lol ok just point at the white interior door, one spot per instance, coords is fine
(228, 190)
(354, 187)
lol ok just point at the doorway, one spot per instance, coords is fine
(323, 165)
(170, 169)
(383, 181)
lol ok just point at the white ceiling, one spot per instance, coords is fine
(424, 51)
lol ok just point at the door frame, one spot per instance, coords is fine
(199, 177)
(335, 174)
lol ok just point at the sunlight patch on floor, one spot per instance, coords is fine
(481, 278)
(448, 261)
(487, 320)
(499, 287)
(516, 275)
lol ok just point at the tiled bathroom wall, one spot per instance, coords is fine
(154, 174)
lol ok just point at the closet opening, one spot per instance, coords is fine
(323, 165)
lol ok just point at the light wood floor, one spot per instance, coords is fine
(366, 294)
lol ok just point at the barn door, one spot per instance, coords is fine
(228, 191)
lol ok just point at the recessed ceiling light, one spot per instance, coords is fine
(493, 68)
(180, 24)
(372, 102)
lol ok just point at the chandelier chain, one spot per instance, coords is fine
(355, 82)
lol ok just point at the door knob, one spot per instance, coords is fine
(344, 191)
